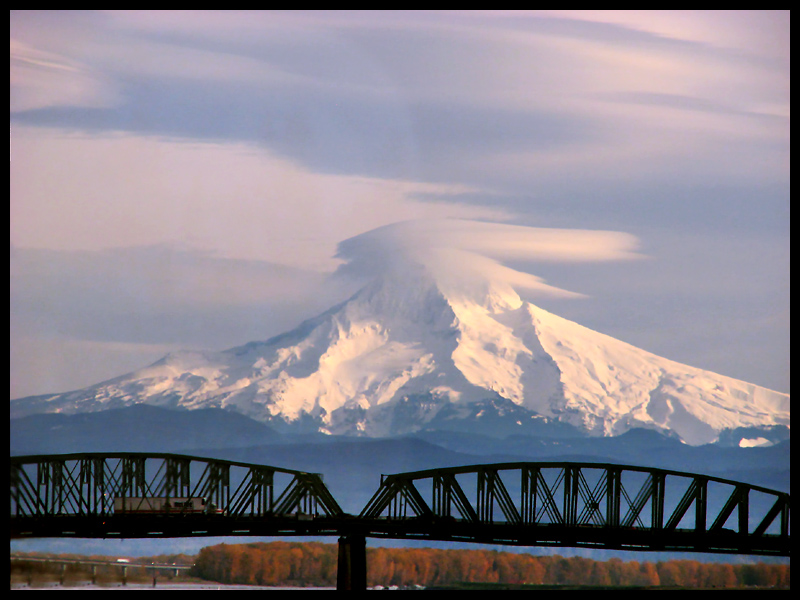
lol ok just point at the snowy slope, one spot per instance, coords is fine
(392, 357)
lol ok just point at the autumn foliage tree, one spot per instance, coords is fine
(314, 563)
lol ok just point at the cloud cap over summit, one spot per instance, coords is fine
(465, 252)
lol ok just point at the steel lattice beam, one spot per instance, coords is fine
(598, 505)
(528, 504)
(77, 493)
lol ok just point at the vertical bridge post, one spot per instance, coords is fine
(352, 569)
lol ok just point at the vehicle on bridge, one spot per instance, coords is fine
(165, 506)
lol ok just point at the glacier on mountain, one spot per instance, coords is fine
(389, 359)
(438, 334)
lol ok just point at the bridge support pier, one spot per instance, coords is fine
(352, 569)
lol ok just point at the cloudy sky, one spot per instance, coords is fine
(184, 179)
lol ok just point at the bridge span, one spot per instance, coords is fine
(592, 505)
(582, 505)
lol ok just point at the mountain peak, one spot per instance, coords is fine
(398, 356)
(440, 330)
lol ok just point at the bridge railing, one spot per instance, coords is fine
(89, 485)
(603, 504)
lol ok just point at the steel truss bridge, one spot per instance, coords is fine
(526, 504)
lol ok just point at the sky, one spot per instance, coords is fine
(195, 180)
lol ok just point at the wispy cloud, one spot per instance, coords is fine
(437, 96)
(74, 192)
(41, 79)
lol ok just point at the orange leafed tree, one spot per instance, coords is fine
(314, 563)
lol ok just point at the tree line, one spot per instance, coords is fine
(315, 563)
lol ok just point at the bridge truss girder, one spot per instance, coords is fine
(77, 491)
(527, 504)
(577, 504)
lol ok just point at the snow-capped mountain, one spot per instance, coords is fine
(410, 352)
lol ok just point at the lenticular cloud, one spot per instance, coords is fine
(471, 253)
